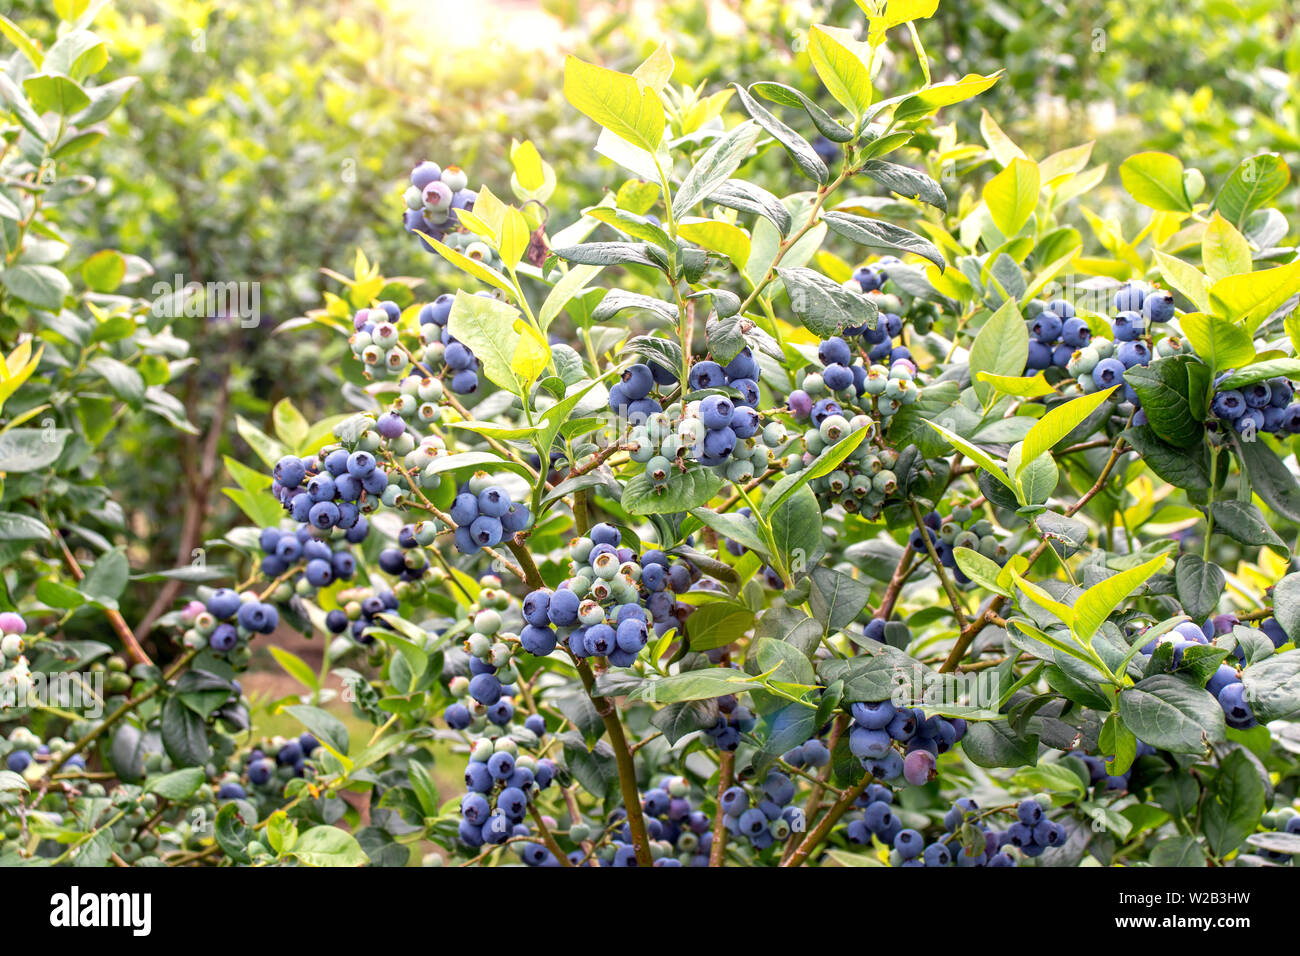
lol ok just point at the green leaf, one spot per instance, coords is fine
(42, 286)
(1273, 686)
(1180, 851)
(1186, 278)
(829, 127)
(796, 527)
(717, 624)
(1199, 584)
(819, 467)
(906, 182)
(1096, 604)
(1254, 182)
(746, 197)
(1012, 195)
(627, 107)
(1186, 468)
(715, 167)
(487, 327)
(1244, 522)
(327, 728)
(823, 305)
(176, 785)
(1269, 478)
(1001, 347)
(106, 579)
(1155, 180)
(800, 150)
(265, 447)
(1175, 394)
(702, 684)
(980, 569)
(940, 95)
(124, 381)
(290, 426)
(1286, 605)
(878, 234)
(693, 489)
(295, 667)
(104, 271)
(977, 455)
(19, 38)
(1219, 342)
(1170, 714)
(1259, 372)
(1117, 744)
(737, 527)
(837, 598)
(1057, 424)
(55, 93)
(19, 527)
(184, 734)
(329, 846)
(1233, 804)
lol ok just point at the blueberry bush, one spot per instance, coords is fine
(828, 489)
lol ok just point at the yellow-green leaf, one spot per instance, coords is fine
(1012, 195)
(1224, 250)
(835, 57)
(1058, 423)
(1097, 603)
(977, 455)
(717, 236)
(1021, 386)
(1186, 278)
(1219, 343)
(1156, 180)
(1250, 299)
(622, 104)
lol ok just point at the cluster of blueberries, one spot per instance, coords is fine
(490, 688)
(331, 492)
(361, 612)
(1259, 407)
(322, 565)
(732, 721)
(261, 769)
(959, 530)
(233, 617)
(878, 725)
(722, 431)
(408, 561)
(602, 609)
(484, 514)
(1054, 335)
(376, 342)
(672, 820)
(1098, 363)
(29, 749)
(433, 202)
(811, 753)
(440, 347)
(500, 784)
(769, 820)
(1225, 683)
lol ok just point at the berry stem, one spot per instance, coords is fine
(626, 765)
(726, 772)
